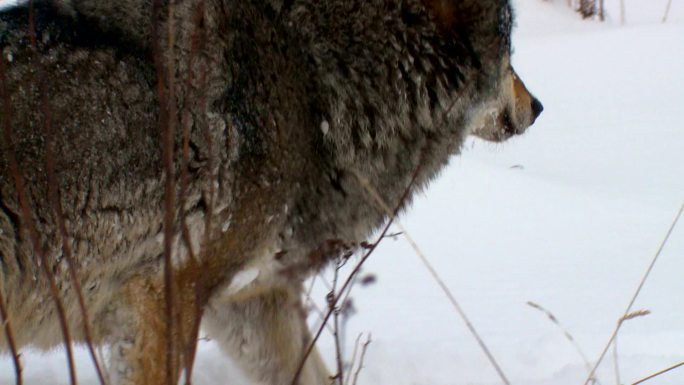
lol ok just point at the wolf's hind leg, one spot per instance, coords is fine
(267, 336)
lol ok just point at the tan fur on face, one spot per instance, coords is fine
(511, 114)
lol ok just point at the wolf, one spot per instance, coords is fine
(166, 163)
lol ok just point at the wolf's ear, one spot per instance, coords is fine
(457, 14)
(444, 11)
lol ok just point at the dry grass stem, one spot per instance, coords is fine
(165, 87)
(190, 341)
(656, 374)
(616, 364)
(352, 362)
(636, 293)
(394, 235)
(357, 268)
(634, 314)
(667, 10)
(452, 299)
(364, 348)
(566, 333)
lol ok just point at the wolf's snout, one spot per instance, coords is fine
(537, 109)
(511, 114)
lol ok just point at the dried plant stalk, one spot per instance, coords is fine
(364, 348)
(55, 202)
(445, 289)
(9, 336)
(634, 314)
(566, 333)
(4, 315)
(30, 226)
(369, 251)
(332, 306)
(352, 362)
(658, 373)
(190, 344)
(166, 127)
(637, 292)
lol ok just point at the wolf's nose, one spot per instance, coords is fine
(537, 108)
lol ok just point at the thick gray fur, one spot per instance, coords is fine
(292, 105)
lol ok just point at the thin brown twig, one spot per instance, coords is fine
(174, 324)
(656, 374)
(336, 325)
(369, 251)
(6, 123)
(33, 235)
(30, 226)
(213, 181)
(214, 178)
(636, 293)
(166, 126)
(566, 333)
(616, 362)
(353, 358)
(445, 289)
(9, 335)
(191, 339)
(185, 158)
(348, 292)
(364, 348)
(393, 235)
(55, 202)
(188, 341)
(321, 315)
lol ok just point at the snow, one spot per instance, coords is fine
(568, 216)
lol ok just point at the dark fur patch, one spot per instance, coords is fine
(51, 23)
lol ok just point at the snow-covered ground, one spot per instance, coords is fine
(568, 216)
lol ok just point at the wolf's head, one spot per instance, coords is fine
(510, 108)
(395, 73)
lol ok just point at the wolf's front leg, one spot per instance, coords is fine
(267, 335)
(138, 337)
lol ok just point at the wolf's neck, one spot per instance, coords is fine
(384, 84)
